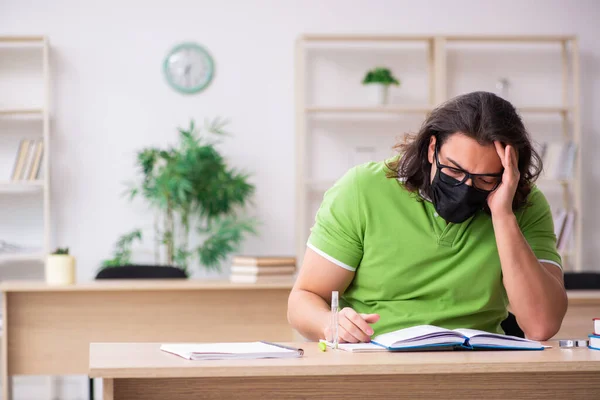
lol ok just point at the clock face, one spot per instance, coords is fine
(188, 68)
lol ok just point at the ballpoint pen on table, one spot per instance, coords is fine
(335, 305)
(299, 351)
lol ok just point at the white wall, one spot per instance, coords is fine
(110, 98)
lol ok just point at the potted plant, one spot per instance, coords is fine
(120, 266)
(378, 81)
(197, 199)
(60, 267)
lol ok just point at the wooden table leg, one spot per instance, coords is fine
(6, 378)
(108, 392)
(6, 386)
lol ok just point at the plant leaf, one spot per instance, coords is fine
(225, 237)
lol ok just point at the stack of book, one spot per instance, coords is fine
(252, 269)
(558, 159)
(564, 221)
(28, 160)
(595, 336)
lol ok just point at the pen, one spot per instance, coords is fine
(335, 306)
(300, 351)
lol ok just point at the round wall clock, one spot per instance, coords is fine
(188, 68)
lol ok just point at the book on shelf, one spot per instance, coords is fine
(263, 261)
(260, 271)
(567, 232)
(245, 278)
(36, 164)
(559, 216)
(558, 159)
(266, 269)
(20, 159)
(28, 160)
(596, 326)
(435, 338)
(564, 222)
(231, 351)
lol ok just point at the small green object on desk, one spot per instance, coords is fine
(322, 346)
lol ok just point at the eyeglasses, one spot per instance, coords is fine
(456, 176)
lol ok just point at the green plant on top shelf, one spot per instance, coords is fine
(380, 75)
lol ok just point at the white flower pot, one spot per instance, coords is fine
(60, 269)
(378, 94)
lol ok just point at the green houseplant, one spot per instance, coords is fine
(122, 252)
(378, 80)
(198, 201)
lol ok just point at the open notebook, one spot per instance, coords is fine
(429, 337)
(226, 351)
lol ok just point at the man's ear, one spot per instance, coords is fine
(431, 149)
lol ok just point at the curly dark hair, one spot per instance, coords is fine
(482, 116)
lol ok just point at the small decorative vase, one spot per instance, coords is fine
(378, 94)
(60, 269)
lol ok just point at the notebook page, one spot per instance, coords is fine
(503, 342)
(187, 349)
(448, 340)
(470, 333)
(413, 333)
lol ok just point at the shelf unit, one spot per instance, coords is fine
(437, 48)
(545, 110)
(21, 187)
(374, 109)
(38, 112)
(21, 257)
(31, 112)
(22, 40)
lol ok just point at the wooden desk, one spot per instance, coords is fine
(48, 329)
(142, 371)
(43, 323)
(583, 306)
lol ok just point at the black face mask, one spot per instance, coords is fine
(456, 203)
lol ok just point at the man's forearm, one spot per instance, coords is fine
(537, 298)
(308, 314)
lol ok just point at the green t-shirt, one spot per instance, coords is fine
(412, 267)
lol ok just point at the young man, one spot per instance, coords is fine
(447, 234)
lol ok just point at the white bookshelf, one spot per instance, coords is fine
(23, 40)
(370, 109)
(439, 57)
(553, 181)
(424, 109)
(545, 109)
(34, 50)
(22, 257)
(23, 112)
(16, 187)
